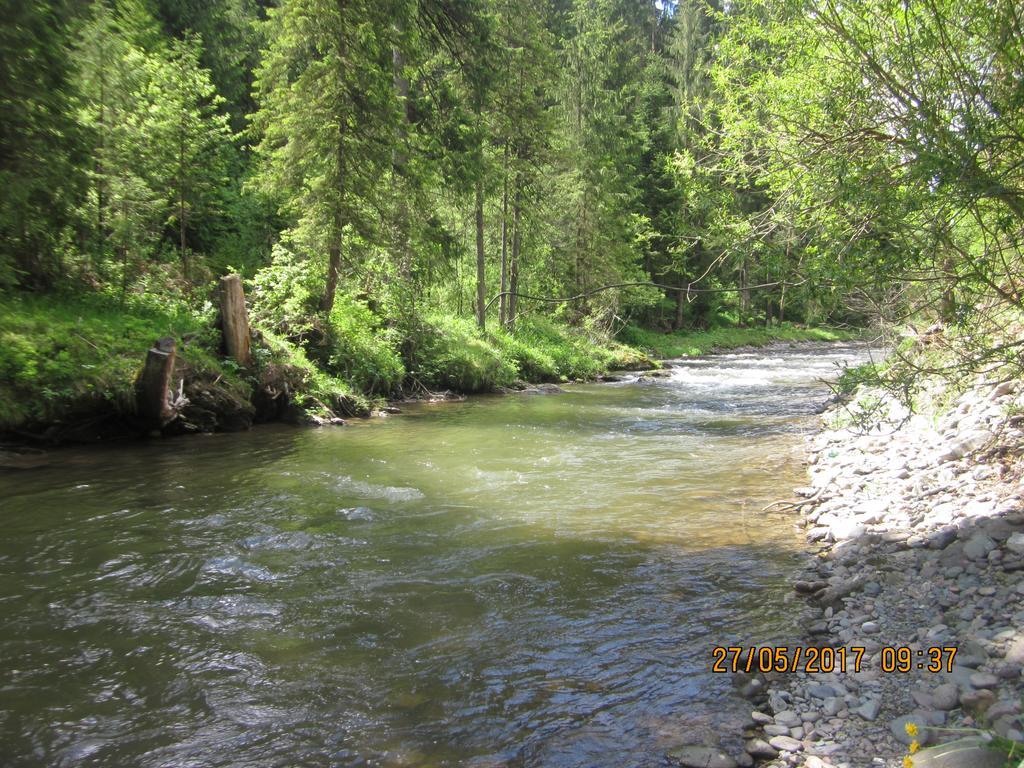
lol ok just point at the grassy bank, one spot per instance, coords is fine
(72, 359)
(69, 359)
(60, 356)
(695, 343)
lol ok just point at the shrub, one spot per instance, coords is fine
(451, 354)
(360, 351)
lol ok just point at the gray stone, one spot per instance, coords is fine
(978, 546)
(942, 538)
(776, 730)
(961, 676)
(785, 744)
(977, 703)
(869, 709)
(787, 717)
(945, 697)
(760, 748)
(1016, 543)
(702, 757)
(1002, 725)
(899, 728)
(845, 528)
(779, 701)
(1003, 708)
(834, 705)
(921, 698)
(1015, 650)
(821, 690)
(984, 680)
(962, 753)
(752, 689)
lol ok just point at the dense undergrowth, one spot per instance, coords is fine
(71, 356)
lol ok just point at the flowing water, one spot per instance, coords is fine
(530, 580)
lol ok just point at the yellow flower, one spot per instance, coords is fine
(908, 762)
(911, 729)
(914, 746)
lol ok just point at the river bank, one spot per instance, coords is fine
(917, 527)
(69, 366)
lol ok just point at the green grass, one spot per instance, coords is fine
(65, 357)
(454, 354)
(60, 355)
(695, 343)
(316, 390)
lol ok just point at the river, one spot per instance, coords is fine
(527, 580)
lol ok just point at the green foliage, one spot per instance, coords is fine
(63, 353)
(452, 354)
(855, 376)
(359, 350)
(350, 342)
(319, 392)
(285, 294)
(814, 164)
(573, 353)
(41, 158)
(160, 147)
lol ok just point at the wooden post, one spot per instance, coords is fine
(234, 319)
(153, 389)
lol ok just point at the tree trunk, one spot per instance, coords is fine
(680, 304)
(744, 293)
(513, 271)
(579, 276)
(337, 235)
(101, 204)
(153, 387)
(947, 307)
(481, 276)
(234, 319)
(331, 287)
(186, 267)
(503, 300)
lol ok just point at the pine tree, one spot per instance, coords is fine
(41, 159)
(327, 111)
(190, 138)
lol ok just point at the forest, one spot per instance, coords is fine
(425, 195)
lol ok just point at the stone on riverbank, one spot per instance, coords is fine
(697, 756)
(920, 532)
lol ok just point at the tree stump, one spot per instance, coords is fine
(234, 319)
(153, 389)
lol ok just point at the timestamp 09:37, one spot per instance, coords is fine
(798, 658)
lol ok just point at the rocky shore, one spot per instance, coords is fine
(918, 524)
